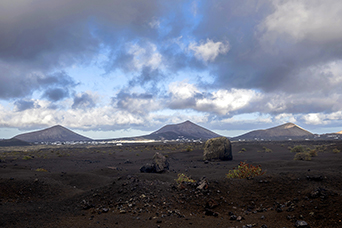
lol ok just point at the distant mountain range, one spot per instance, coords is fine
(181, 131)
(52, 134)
(283, 132)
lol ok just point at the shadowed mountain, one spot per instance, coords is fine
(13, 142)
(282, 132)
(52, 134)
(186, 129)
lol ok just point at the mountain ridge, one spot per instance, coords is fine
(186, 129)
(282, 132)
(52, 134)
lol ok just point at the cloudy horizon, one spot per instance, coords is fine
(125, 68)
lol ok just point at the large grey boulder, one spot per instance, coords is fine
(159, 164)
(218, 148)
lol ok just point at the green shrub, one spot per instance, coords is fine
(182, 178)
(41, 170)
(304, 156)
(27, 157)
(245, 170)
(321, 148)
(267, 150)
(188, 149)
(313, 153)
(298, 149)
(336, 151)
(242, 150)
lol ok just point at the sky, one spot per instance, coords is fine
(117, 68)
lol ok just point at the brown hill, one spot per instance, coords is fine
(186, 129)
(282, 132)
(52, 134)
(13, 142)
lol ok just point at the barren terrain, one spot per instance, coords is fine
(101, 186)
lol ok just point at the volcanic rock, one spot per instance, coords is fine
(159, 165)
(301, 224)
(160, 162)
(218, 148)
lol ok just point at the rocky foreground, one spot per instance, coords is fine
(102, 188)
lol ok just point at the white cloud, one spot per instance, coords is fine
(285, 117)
(139, 105)
(314, 118)
(75, 118)
(188, 96)
(304, 19)
(182, 90)
(147, 55)
(210, 50)
(226, 101)
(257, 120)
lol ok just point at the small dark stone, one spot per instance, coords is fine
(279, 209)
(211, 213)
(211, 204)
(315, 178)
(127, 162)
(233, 217)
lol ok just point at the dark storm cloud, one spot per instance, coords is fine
(32, 29)
(17, 81)
(253, 62)
(83, 101)
(57, 79)
(149, 79)
(22, 105)
(56, 94)
(136, 103)
(40, 36)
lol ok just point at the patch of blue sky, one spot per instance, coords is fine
(8, 105)
(92, 78)
(7, 133)
(190, 20)
(194, 76)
